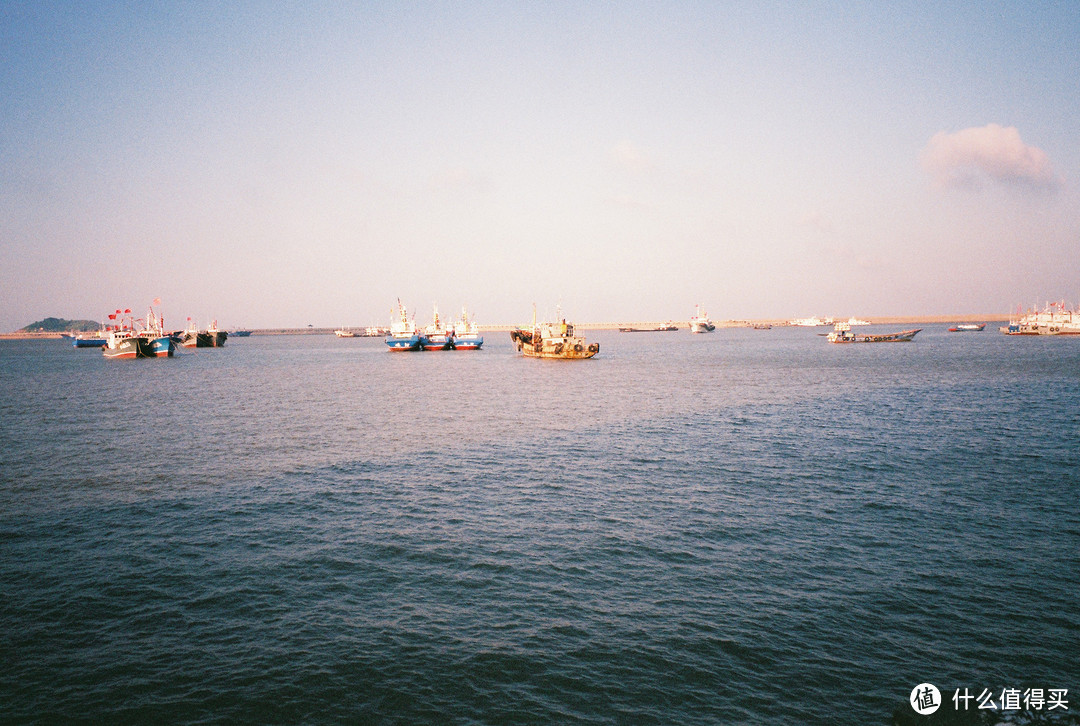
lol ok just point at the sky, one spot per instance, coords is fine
(287, 164)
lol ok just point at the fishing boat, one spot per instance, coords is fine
(552, 340)
(808, 322)
(90, 340)
(842, 334)
(212, 337)
(136, 339)
(127, 344)
(700, 323)
(466, 335)
(217, 336)
(403, 335)
(669, 326)
(1054, 319)
(240, 333)
(436, 336)
(967, 328)
(345, 333)
(99, 338)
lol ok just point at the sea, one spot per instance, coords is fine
(743, 527)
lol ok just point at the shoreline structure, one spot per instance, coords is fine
(874, 320)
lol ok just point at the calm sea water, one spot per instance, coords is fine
(742, 527)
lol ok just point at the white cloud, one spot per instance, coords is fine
(988, 153)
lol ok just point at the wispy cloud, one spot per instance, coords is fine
(990, 153)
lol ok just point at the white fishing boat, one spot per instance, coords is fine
(808, 322)
(403, 335)
(1054, 319)
(466, 334)
(700, 323)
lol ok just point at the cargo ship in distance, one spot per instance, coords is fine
(669, 326)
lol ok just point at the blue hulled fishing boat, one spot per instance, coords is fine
(403, 335)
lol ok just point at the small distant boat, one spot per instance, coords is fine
(192, 337)
(700, 323)
(842, 334)
(403, 335)
(345, 333)
(240, 333)
(761, 326)
(658, 329)
(552, 340)
(967, 328)
(808, 322)
(89, 340)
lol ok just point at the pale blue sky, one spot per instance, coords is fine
(288, 164)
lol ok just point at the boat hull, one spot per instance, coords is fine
(404, 343)
(903, 336)
(1025, 329)
(88, 342)
(133, 347)
(967, 328)
(468, 342)
(207, 339)
(436, 341)
(554, 348)
(163, 347)
(702, 327)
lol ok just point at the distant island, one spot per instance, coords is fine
(59, 325)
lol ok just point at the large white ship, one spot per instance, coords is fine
(1054, 319)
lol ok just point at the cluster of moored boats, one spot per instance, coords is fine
(125, 336)
(1054, 319)
(459, 335)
